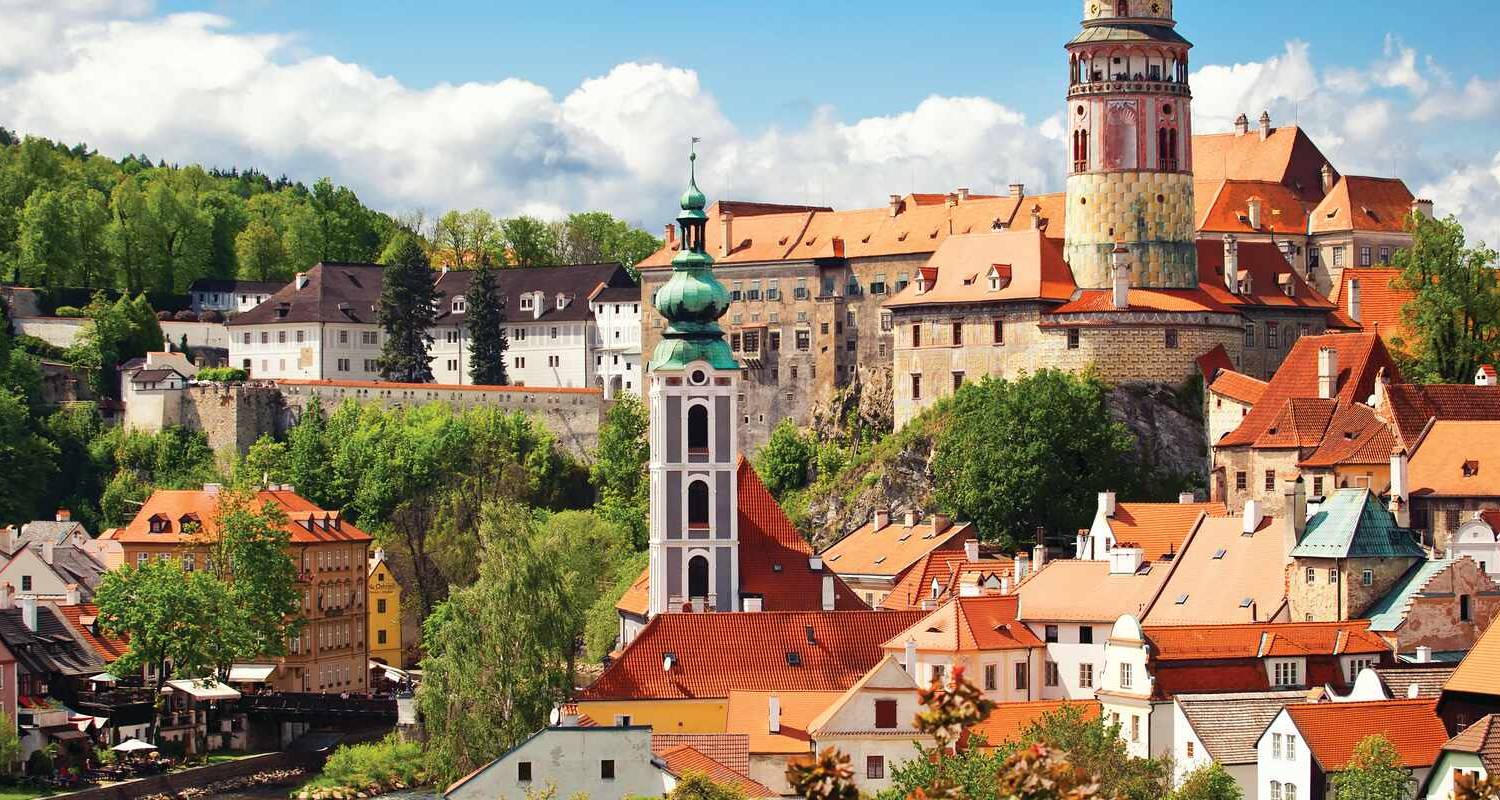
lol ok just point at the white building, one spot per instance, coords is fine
(1478, 539)
(872, 723)
(230, 296)
(617, 350)
(1224, 729)
(1306, 745)
(324, 326)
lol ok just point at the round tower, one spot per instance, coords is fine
(1130, 177)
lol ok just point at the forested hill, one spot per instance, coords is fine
(70, 217)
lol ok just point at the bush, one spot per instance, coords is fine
(185, 316)
(164, 316)
(211, 315)
(41, 348)
(68, 311)
(377, 765)
(222, 375)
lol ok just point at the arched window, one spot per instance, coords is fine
(1081, 150)
(697, 577)
(698, 504)
(1275, 790)
(698, 429)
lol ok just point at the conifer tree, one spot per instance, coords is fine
(407, 312)
(486, 320)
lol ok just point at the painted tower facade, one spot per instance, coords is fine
(693, 397)
(1130, 177)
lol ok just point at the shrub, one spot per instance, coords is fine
(164, 316)
(211, 315)
(222, 375)
(383, 764)
(68, 311)
(185, 316)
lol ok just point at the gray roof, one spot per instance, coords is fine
(577, 280)
(232, 285)
(1428, 678)
(46, 530)
(335, 292)
(52, 648)
(1229, 725)
(153, 375)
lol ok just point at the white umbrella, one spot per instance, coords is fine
(133, 746)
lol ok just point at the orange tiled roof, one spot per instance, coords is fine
(1453, 459)
(948, 567)
(1359, 203)
(1213, 362)
(730, 749)
(1073, 590)
(1476, 672)
(637, 598)
(1178, 300)
(1030, 266)
(306, 523)
(1268, 274)
(1332, 730)
(1223, 576)
(1411, 406)
(1482, 739)
(81, 617)
(1287, 157)
(683, 759)
(1159, 528)
(1264, 639)
(1355, 435)
(748, 712)
(1239, 387)
(890, 550)
(716, 653)
(1360, 357)
(1008, 721)
(1300, 423)
(969, 625)
(1225, 207)
(1380, 302)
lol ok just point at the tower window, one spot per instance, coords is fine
(698, 504)
(698, 429)
(697, 577)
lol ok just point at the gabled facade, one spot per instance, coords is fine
(873, 558)
(1224, 729)
(1306, 745)
(1475, 751)
(384, 603)
(873, 724)
(982, 635)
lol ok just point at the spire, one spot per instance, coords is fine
(692, 300)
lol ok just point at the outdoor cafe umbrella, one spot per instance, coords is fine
(133, 746)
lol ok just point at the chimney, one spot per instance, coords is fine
(64, 515)
(940, 523)
(1400, 499)
(971, 549)
(895, 205)
(7, 594)
(1036, 216)
(1107, 504)
(1125, 560)
(911, 519)
(75, 596)
(1186, 498)
(48, 551)
(1120, 272)
(1327, 173)
(9, 539)
(828, 595)
(28, 612)
(963, 193)
(1231, 263)
(952, 199)
(773, 715)
(1241, 125)
(1252, 516)
(1295, 496)
(815, 563)
(882, 518)
(1354, 304)
(1017, 189)
(212, 488)
(1022, 566)
(669, 235)
(1424, 655)
(301, 280)
(1038, 555)
(911, 657)
(1422, 207)
(726, 224)
(1254, 215)
(1328, 373)
(1265, 125)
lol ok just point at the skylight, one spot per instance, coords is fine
(1181, 599)
(1247, 602)
(793, 658)
(1218, 554)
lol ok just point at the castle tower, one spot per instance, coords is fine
(693, 386)
(1130, 178)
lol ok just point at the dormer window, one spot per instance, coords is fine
(1471, 468)
(562, 300)
(188, 522)
(999, 277)
(459, 305)
(160, 523)
(526, 302)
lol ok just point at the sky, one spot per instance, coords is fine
(549, 108)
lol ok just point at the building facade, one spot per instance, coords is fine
(384, 604)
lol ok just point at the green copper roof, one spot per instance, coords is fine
(1390, 611)
(692, 300)
(1354, 524)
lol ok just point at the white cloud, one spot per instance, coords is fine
(1469, 193)
(191, 88)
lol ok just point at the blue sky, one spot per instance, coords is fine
(547, 109)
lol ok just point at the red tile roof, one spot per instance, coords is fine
(1331, 731)
(1263, 639)
(1358, 203)
(1380, 302)
(1031, 264)
(1227, 208)
(948, 568)
(1476, 673)
(1213, 362)
(730, 749)
(969, 625)
(718, 653)
(1301, 423)
(684, 759)
(1287, 157)
(1410, 406)
(1238, 386)
(306, 523)
(1360, 357)
(1268, 273)
(1159, 528)
(890, 550)
(1007, 721)
(1355, 435)
(81, 619)
(1169, 300)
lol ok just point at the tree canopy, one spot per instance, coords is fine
(1374, 772)
(1453, 322)
(407, 312)
(485, 316)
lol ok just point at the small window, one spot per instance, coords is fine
(991, 678)
(1023, 676)
(1171, 338)
(1367, 578)
(606, 769)
(1127, 676)
(916, 335)
(1270, 480)
(698, 504)
(1072, 338)
(1050, 632)
(698, 429)
(1312, 576)
(1085, 634)
(958, 381)
(885, 714)
(1085, 676)
(1464, 614)
(999, 331)
(958, 334)
(1189, 748)
(875, 768)
(1052, 676)
(1241, 481)
(1333, 575)
(523, 772)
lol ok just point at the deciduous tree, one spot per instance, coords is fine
(1453, 322)
(529, 242)
(27, 461)
(619, 469)
(1374, 772)
(785, 460)
(1208, 782)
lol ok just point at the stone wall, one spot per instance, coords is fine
(1258, 358)
(1229, 462)
(231, 416)
(1444, 515)
(1152, 212)
(1324, 600)
(1435, 620)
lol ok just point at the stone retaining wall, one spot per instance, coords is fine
(200, 776)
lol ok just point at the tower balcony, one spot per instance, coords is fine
(1130, 86)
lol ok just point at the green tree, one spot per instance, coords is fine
(265, 462)
(128, 235)
(597, 237)
(250, 555)
(1208, 782)
(307, 455)
(115, 333)
(497, 651)
(407, 313)
(180, 238)
(27, 461)
(529, 242)
(602, 629)
(619, 469)
(47, 244)
(1033, 452)
(485, 317)
(261, 253)
(1374, 772)
(1096, 747)
(974, 768)
(81, 474)
(1453, 320)
(589, 551)
(698, 786)
(785, 460)
(10, 745)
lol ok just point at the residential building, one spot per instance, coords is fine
(1450, 476)
(874, 557)
(1475, 751)
(151, 388)
(1350, 554)
(946, 573)
(1479, 539)
(778, 725)
(1441, 605)
(617, 348)
(873, 723)
(1230, 570)
(1157, 530)
(1229, 396)
(43, 665)
(599, 762)
(1360, 223)
(331, 653)
(1149, 667)
(229, 296)
(1370, 299)
(384, 604)
(982, 636)
(1306, 745)
(1223, 729)
(45, 558)
(1471, 691)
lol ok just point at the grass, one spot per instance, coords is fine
(19, 793)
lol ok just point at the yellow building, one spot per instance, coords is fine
(384, 611)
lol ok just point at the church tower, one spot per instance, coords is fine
(694, 381)
(1130, 179)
